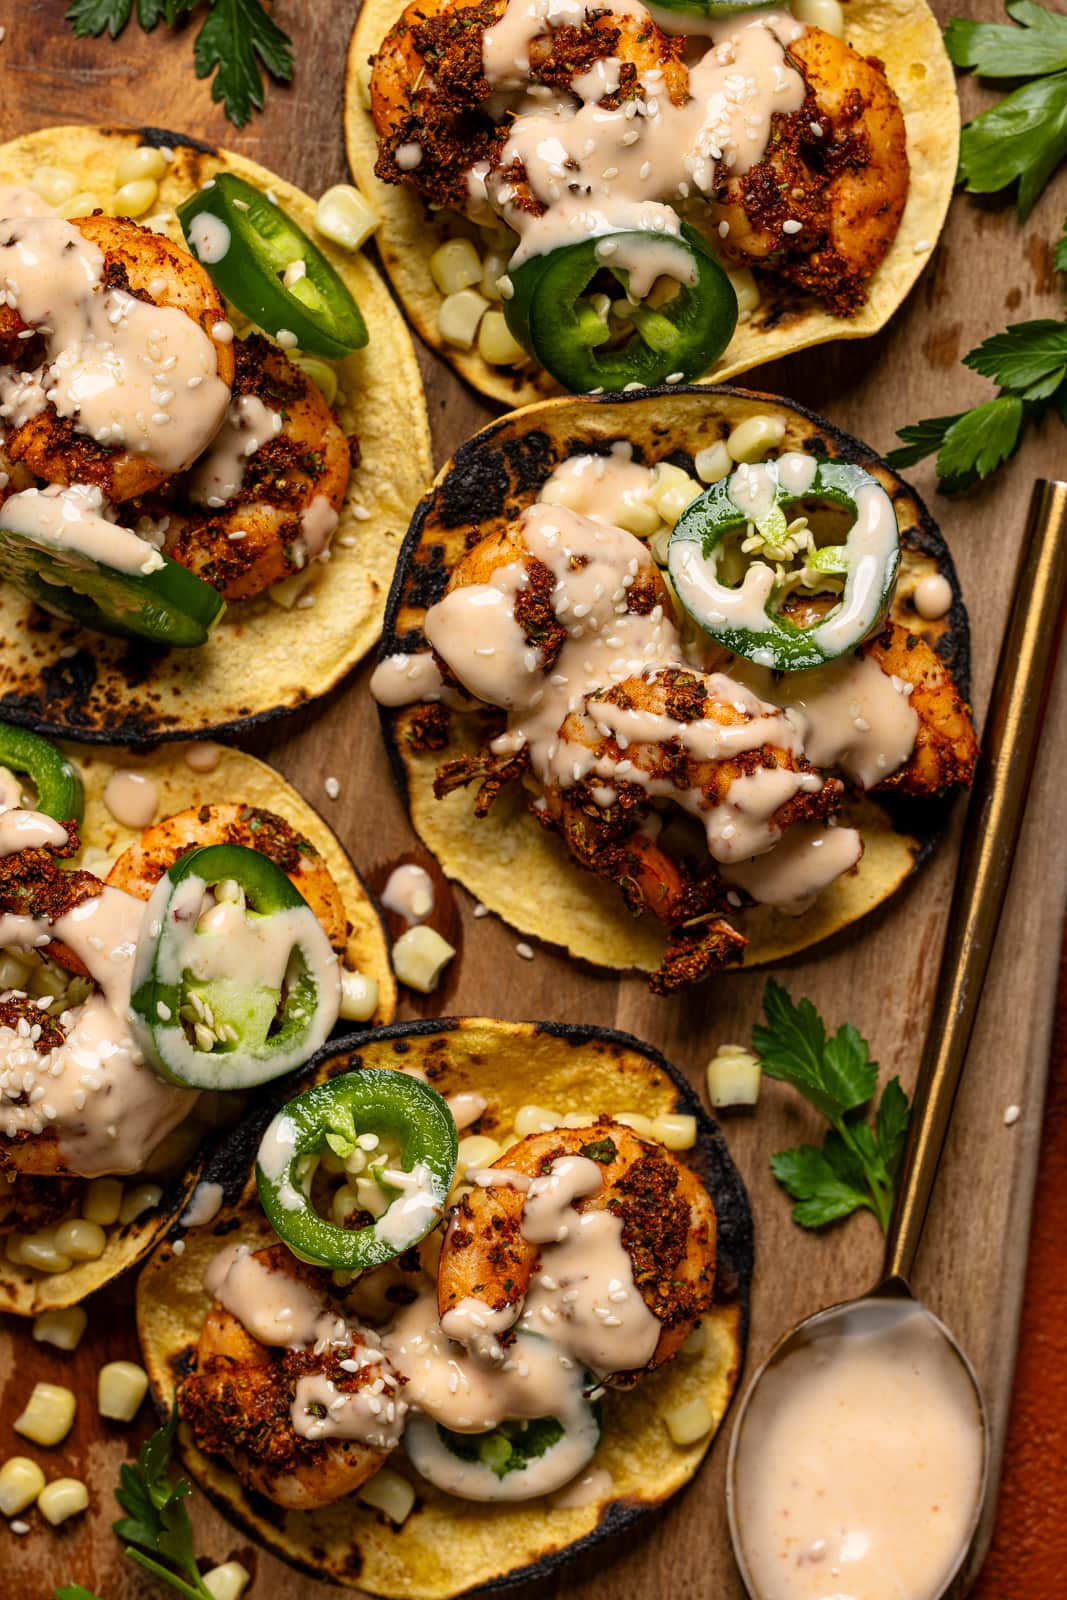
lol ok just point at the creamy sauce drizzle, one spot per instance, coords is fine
(132, 798)
(78, 521)
(932, 597)
(409, 892)
(220, 471)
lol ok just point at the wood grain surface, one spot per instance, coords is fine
(986, 272)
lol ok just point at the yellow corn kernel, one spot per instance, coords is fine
(120, 1388)
(227, 1582)
(458, 317)
(54, 185)
(746, 289)
(754, 438)
(137, 1199)
(734, 1076)
(390, 1494)
(13, 972)
(641, 1125)
(83, 204)
(359, 997)
(494, 267)
(690, 1422)
(420, 956)
(144, 162)
(81, 1240)
(476, 1151)
(102, 1201)
(21, 1481)
(48, 1415)
(61, 1328)
(322, 375)
(62, 1498)
(534, 1119)
(579, 1119)
(824, 14)
(456, 265)
(290, 590)
(638, 516)
(659, 546)
(696, 1341)
(346, 217)
(38, 1250)
(672, 490)
(713, 462)
(134, 199)
(675, 1131)
(495, 343)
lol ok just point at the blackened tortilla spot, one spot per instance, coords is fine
(427, 579)
(530, 458)
(490, 482)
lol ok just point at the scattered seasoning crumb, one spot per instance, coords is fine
(792, 226)
(480, 910)
(1012, 1114)
(18, 1526)
(332, 787)
(524, 950)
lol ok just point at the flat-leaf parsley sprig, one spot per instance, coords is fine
(237, 39)
(1023, 138)
(857, 1164)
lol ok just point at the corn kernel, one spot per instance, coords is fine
(120, 1388)
(579, 1119)
(359, 997)
(641, 1125)
(48, 1415)
(134, 199)
(713, 462)
(54, 185)
(81, 1240)
(144, 162)
(659, 547)
(61, 1328)
(38, 1250)
(690, 1422)
(734, 1076)
(754, 438)
(534, 1119)
(458, 317)
(102, 1201)
(676, 1132)
(824, 14)
(389, 1493)
(62, 1498)
(13, 972)
(671, 491)
(495, 343)
(83, 204)
(494, 267)
(137, 1199)
(456, 265)
(638, 516)
(420, 956)
(286, 593)
(476, 1151)
(227, 1582)
(346, 217)
(322, 375)
(746, 289)
(21, 1481)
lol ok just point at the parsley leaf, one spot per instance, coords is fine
(1023, 138)
(857, 1165)
(89, 18)
(234, 39)
(980, 441)
(156, 1522)
(74, 1591)
(602, 1150)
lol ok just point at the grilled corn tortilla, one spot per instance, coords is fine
(262, 660)
(903, 34)
(237, 776)
(506, 859)
(447, 1546)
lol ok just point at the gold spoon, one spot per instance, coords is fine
(1016, 714)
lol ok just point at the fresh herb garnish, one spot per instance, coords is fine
(1023, 138)
(602, 1150)
(74, 1591)
(237, 39)
(857, 1164)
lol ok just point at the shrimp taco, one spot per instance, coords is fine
(105, 1112)
(212, 435)
(675, 680)
(493, 1355)
(584, 197)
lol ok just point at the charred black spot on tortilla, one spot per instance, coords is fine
(263, 1508)
(530, 458)
(816, 445)
(486, 485)
(183, 1361)
(164, 139)
(426, 578)
(226, 1226)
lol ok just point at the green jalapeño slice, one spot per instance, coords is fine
(249, 245)
(234, 981)
(589, 343)
(356, 1117)
(767, 506)
(59, 788)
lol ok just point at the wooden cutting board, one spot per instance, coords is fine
(987, 271)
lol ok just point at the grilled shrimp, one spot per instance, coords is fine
(429, 88)
(238, 1402)
(141, 866)
(946, 745)
(668, 1229)
(151, 269)
(242, 521)
(838, 166)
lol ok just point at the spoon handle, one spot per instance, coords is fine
(1016, 713)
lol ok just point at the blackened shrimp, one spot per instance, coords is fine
(265, 499)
